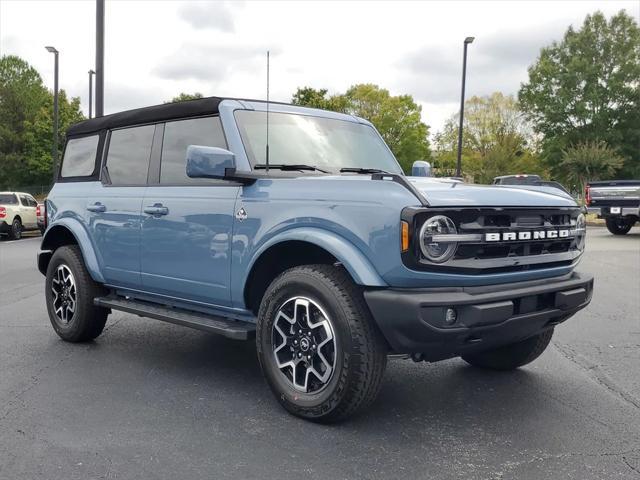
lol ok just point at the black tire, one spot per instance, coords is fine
(42, 230)
(512, 356)
(360, 350)
(16, 229)
(618, 225)
(87, 321)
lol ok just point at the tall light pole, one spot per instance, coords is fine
(99, 58)
(91, 74)
(54, 150)
(467, 41)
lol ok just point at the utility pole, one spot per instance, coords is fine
(54, 148)
(91, 74)
(99, 58)
(467, 41)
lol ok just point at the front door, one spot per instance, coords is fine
(187, 223)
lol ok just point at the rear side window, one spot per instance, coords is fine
(80, 157)
(178, 136)
(8, 199)
(128, 156)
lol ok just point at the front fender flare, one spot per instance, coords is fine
(352, 258)
(83, 240)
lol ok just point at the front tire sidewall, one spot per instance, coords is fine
(309, 404)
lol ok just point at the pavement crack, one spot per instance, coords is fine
(631, 467)
(595, 372)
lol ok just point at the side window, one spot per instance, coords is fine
(128, 155)
(80, 157)
(178, 136)
(24, 201)
(32, 201)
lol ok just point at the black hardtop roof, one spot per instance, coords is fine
(156, 113)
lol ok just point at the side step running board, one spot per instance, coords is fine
(234, 329)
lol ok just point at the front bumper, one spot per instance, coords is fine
(413, 320)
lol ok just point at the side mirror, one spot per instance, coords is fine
(421, 168)
(209, 162)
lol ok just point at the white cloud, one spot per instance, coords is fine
(154, 50)
(209, 15)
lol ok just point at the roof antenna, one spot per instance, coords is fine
(267, 146)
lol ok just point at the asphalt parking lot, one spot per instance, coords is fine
(150, 400)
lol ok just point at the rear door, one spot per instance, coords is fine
(186, 228)
(114, 206)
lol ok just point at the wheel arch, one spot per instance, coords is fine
(304, 246)
(68, 231)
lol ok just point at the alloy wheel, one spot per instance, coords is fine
(63, 287)
(304, 344)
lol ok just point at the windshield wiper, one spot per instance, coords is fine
(362, 170)
(286, 166)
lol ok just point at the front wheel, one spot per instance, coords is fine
(512, 356)
(318, 347)
(69, 292)
(618, 225)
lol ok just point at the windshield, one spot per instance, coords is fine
(8, 199)
(325, 143)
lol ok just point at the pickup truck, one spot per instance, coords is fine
(308, 239)
(617, 201)
(17, 214)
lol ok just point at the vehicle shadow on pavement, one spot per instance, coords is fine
(415, 392)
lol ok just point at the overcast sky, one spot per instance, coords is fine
(156, 49)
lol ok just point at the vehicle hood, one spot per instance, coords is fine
(453, 193)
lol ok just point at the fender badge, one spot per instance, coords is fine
(241, 214)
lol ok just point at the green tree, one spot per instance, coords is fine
(588, 161)
(497, 140)
(38, 135)
(22, 94)
(397, 118)
(585, 88)
(183, 97)
(310, 97)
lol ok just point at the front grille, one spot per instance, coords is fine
(501, 256)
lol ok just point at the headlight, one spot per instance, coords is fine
(581, 231)
(434, 247)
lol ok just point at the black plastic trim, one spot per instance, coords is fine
(229, 328)
(412, 320)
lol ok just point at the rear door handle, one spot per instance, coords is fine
(97, 208)
(156, 209)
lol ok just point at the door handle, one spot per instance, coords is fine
(97, 208)
(156, 209)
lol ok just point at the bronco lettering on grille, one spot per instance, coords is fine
(526, 235)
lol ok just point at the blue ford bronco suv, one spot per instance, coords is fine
(316, 245)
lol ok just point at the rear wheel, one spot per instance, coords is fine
(618, 225)
(318, 347)
(16, 229)
(512, 356)
(69, 292)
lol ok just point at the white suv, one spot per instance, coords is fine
(17, 214)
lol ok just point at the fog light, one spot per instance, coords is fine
(450, 316)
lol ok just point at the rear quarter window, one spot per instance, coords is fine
(80, 157)
(8, 199)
